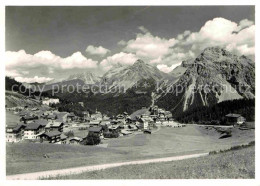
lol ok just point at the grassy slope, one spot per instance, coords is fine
(28, 157)
(11, 118)
(230, 165)
(13, 99)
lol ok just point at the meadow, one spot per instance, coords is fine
(235, 164)
(11, 119)
(29, 157)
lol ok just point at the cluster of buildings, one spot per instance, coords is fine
(45, 124)
(38, 123)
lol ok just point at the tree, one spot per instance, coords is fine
(93, 139)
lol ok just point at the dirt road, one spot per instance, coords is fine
(78, 170)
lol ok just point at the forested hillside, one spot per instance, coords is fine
(245, 107)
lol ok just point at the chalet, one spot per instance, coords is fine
(15, 133)
(75, 140)
(71, 117)
(105, 117)
(41, 122)
(95, 130)
(28, 118)
(52, 117)
(50, 137)
(54, 126)
(94, 123)
(232, 119)
(114, 122)
(63, 139)
(114, 128)
(24, 113)
(144, 123)
(49, 101)
(96, 116)
(33, 130)
(104, 124)
(121, 118)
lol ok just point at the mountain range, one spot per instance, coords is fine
(216, 75)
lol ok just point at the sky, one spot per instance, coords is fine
(46, 43)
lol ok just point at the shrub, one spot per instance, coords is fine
(93, 139)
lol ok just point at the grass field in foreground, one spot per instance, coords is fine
(167, 142)
(228, 165)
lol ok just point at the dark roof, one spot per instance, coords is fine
(76, 139)
(60, 114)
(52, 133)
(27, 117)
(95, 129)
(42, 122)
(54, 124)
(33, 126)
(18, 127)
(233, 115)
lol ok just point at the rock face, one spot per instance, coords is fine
(129, 76)
(86, 77)
(215, 75)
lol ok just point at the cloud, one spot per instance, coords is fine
(33, 80)
(121, 58)
(46, 58)
(245, 23)
(239, 38)
(183, 35)
(97, 50)
(44, 63)
(143, 29)
(149, 47)
(12, 73)
(122, 42)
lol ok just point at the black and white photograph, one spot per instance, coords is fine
(129, 92)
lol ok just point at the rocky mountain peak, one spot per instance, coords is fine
(139, 64)
(87, 77)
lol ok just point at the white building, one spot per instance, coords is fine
(49, 101)
(32, 130)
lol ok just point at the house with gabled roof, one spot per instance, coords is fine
(28, 118)
(15, 133)
(51, 137)
(233, 119)
(71, 117)
(63, 138)
(95, 130)
(54, 125)
(33, 130)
